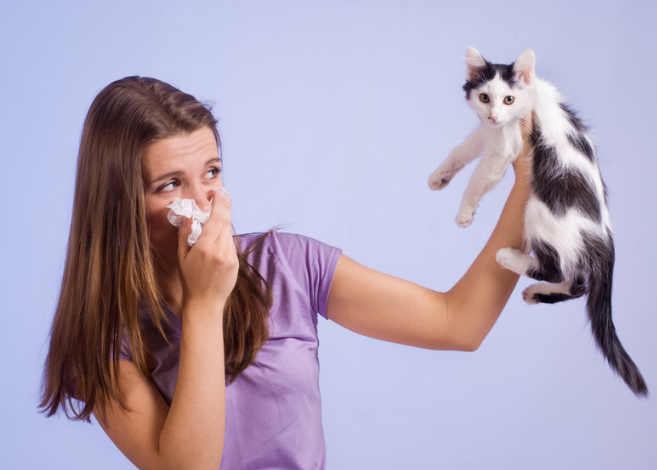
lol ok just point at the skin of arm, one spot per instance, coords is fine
(190, 433)
(391, 309)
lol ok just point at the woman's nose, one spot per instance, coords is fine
(202, 196)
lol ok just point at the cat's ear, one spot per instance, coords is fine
(523, 68)
(475, 63)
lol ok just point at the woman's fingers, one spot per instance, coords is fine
(220, 218)
(527, 126)
(521, 164)
(209, 269)
(183, 233)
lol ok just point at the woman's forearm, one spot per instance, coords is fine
(193, 434)
(476, 301)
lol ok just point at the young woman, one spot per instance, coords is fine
(206, 356)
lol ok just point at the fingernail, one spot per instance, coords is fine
(223, 193)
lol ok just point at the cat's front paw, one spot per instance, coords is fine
(440, 178)
(464, 218)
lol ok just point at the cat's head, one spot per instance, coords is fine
(499, 93)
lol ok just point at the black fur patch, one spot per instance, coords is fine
(552, 298)
(577, 139)
(578, 287)
(598, 255)
(558, 188)
(575, 121)
(582, 144)
(549, 266)
(487, 73)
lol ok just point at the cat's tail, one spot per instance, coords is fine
(598, 305)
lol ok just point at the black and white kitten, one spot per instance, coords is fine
(566, 219)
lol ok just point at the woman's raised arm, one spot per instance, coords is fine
(388, 308)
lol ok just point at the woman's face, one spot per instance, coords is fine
(185, 166)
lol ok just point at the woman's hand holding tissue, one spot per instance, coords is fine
(209, 269)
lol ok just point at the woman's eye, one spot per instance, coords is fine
(509, 100)
(484, 98)
(213, 173)
(167, 187)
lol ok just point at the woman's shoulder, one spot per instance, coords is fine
(291, 249)
(293, 261)
(278, 241)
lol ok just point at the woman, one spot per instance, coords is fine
(196, 357)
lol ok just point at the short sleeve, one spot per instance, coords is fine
(311, 262)
(125, 352)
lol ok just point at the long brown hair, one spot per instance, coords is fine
(110, 268)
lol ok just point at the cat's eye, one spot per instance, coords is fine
(484, 98)
(509, 100)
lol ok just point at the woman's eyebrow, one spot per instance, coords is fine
(178, 172)
(165, 176)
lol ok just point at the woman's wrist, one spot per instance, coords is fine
(203, 310)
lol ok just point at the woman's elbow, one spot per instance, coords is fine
(473, 341)
(458, 343)
(470, 346)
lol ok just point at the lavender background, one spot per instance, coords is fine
(333, 114)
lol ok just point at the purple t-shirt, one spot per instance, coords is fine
(273, 409)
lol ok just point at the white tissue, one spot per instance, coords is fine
(187, 208)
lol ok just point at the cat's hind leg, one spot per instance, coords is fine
(545, 267)
(550, 293)
(516, 261)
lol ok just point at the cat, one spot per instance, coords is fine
(567, 224)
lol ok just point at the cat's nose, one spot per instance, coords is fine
(493, 118)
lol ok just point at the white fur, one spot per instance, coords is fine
(515, 260)
(499, 141)
(573, 246)
(556, 126)
(498, 138)
(562, 232)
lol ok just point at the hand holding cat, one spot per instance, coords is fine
(567, 240)
(521, 165)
